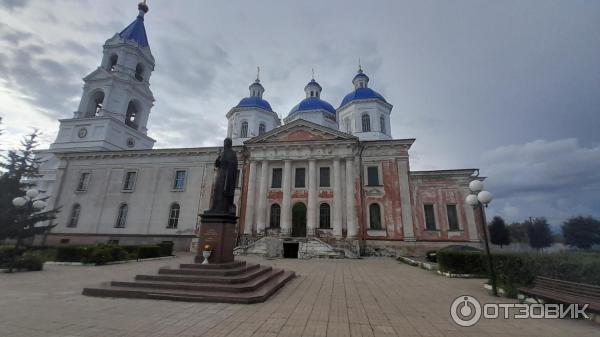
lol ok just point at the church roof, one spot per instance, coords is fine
(136, 32)
(361, 93)
(312, 103)
(254, 102)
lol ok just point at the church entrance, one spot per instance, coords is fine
(299, 220)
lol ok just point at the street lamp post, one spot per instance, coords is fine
(27, 203)
(478, 199)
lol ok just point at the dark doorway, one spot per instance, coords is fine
(299, 220)
(290, 250)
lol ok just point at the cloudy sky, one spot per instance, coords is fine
(512, 87)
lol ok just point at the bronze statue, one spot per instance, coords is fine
(224, 188)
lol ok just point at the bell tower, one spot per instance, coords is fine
(116, 101)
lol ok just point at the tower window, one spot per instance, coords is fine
(382, 124)
(375, 216)
(174, 215)
(139, 72)
(366, 123)
(74, 216)
(132, 115)
(348, 125)
(112, 65)
(95, 104)
(244, 130)
(275, 218)
(261, 129)
(324, 216)
(122, 216)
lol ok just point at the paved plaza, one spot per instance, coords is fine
(367, 297)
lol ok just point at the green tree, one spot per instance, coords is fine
(581, 232)
(19, 167)
(518, 232)
(499, 234)
(538, 231)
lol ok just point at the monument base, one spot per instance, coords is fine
(218, 230)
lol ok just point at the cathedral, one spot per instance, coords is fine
(323, 181)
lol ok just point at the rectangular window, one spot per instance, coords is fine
(452, 218)
(129, 181)
(237, 178)
(300, 179)
(324, 177)
(372, 176)
(276, 178)
(179, 182)
(429, 218)
(84, 180)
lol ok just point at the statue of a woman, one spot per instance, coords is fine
(224, 188)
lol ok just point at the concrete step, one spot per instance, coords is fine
(230, 265)
(251, 285)
(214, 272)
(207, 278)
(258, 295)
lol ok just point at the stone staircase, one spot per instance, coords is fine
(235, 282)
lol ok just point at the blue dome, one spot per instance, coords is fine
(361, 93)
(312, 103)
(136, 32)
(254, 102)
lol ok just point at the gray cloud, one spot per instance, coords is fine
(13, 4)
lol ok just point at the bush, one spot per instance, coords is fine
(457, 262)
(101, 255)
(166, 248)
(30, 262)
(73, 253)
(146, 252)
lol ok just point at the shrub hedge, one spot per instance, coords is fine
(102, 253)
(514, 270)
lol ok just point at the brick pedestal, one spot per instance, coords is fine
(219, 231)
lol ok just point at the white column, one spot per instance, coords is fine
(261, 210)
(351, 230)
(286, 204)
(337, 198)
(405, 204)
(250, 196)
(471, 222)
(311, 215)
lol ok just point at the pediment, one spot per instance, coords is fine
(300, 131)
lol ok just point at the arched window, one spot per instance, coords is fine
(375, 216)
(261, 129)
(139, 72)
(382, 124)
(112, 64)
(275, 220)
(174, 215)
(74, 215)
(366, 123)
(122, 216)
(244, 130)
(324, 216)
(132, 115)
(95, 104)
